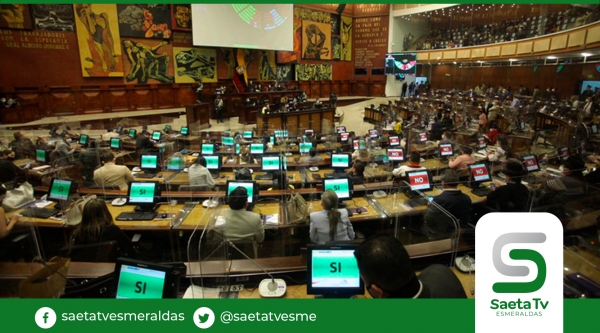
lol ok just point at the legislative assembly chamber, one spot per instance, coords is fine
(246, 151)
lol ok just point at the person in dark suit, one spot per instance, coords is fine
(143, 143)
(387, 272)
(514, 196)
(436, 129)
(437, 223)
(357, 174)
(583, 132)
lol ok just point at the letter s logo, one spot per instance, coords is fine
(519, 254)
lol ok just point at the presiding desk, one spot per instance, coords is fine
(296, 122)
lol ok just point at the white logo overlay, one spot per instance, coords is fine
(203, 317)
(519, 273)
(45, 317)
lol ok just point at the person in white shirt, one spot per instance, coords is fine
(413, 165)
(199, 174)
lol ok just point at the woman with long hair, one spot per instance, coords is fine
(502, 152)
(97, 226)
(332, 223)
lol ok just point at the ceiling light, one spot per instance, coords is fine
(479, 61)
(512, 60)
(585, 54)
(454, 62)
(551, 57)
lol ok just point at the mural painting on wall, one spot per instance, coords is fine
(316, 41)
(346, 33)
(228, 56)
(266, 69)
(53, 17)
(99, 40)
(285, 73)
(15, 17)
(147, 61)
(335, 25)
(312, 15)
(195, 64)
(336, 46)
(182, 17)
(292, 56)
(145, 21)
(310, 72)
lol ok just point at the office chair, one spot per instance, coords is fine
(96, 252)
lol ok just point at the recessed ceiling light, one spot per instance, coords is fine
(551, 57)
(454, 62)
(585, 54)
(479, 61)
(512, 59)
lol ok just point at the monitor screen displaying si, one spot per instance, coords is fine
(257, 148)
(422, 137)
(132, 133)
(213, 162)
(340, 161)
(340, 129)
(270, 163)
(248, 185)
(142, 192)
(446, 149)
(247, 134)
(227, 141)
(395, 154)
(419, 180)
(481, 142)
(59, 189)
(531, 163)
(208, 149)
(480, 172)
(238, 148)
(167, 128)
(272, 139)
(305, 147)
(149, 162)
(83, 139)
(115, 143)
(344, 137)
(137, 279)
(373, 133)
(394, 141)
(156, 135)
(563, 153)
(401, 63)
(176, 164)
(333, 271)
(40, 155)
(341, 187)
(184, 130)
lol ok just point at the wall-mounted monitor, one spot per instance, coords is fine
(401, 63)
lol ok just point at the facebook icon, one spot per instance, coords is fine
(45, 317)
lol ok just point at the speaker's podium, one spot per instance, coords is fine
(197, 116)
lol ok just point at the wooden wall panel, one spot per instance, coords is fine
(315, 89)
(593, 35)
(463, 54)
(62, 101)
(525, 48)
(478, 53)
(142, 98)
(541, 45)
(378, 89)
(118, 99)
(91, 100)
(345, 89)
(325, 89)
(361, 88)
(449, 54)
(165, 97)
(508, 50)
(492, 51)
(558, 42)
(576, 39)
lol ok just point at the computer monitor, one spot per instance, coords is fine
(359, 144)
(247, 135)
(59, 189)
(340, 161)
(176, 164)
(119, 129)
(156, 135)
(227, 133)
(167, 129)
(479, 173)
(419, 180)
(208, 149)
(238, 148)
(271, 163)
(423, 137)
(394, 141)
(281, 133)
(53, 131)
(143, 194)
(137, 279)
(333, 271)
(184, 130)
(84, 139)
(149, 162)
(341, 186)
(227, 141)
(132, 133)
(305, 147)
(115, 143)
(563, 153)
(309, 132)
(214, 162)
(272, 140)
(41, 156)
(522, 125)
(340, 129)
(481, 142)
(257, 148)
(594, 129)
(446, 150)
(531, 163)
(344, 137)
(250, 186)
(395, 154)
(373, 133)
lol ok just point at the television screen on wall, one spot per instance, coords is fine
(401, 63)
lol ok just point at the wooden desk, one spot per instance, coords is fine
(374, 116)
(296, 122)
(201, 216)
(164, 175)
(372, 212)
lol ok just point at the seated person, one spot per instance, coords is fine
(280, 181)
(97, 226)
(247, 158)
(413, 165)
(502, 152)
(361, 154)
(437, 223)
(112, 175)
(568, 187)
(330, 224)
(22, 146)
(318, 104)
(514, 196)
(387, 272)
(9, 172)
(357, 174)
(62, 151)
(199, 175)
(463, 160)
(109, 135)
(143, 144)
(90, 160)
(312, 156)
(6, 226)
(241, 224)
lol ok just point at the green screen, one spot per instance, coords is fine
(40, 155)
(137, 282)
(115, 143)
(175, 163)
(340, 161)
(212, 162)
(132, 133)
(257, 148)
(60, 189)
(149, 162)
(227, 141)
(156, 135)
(142, 192)
(237, 148)
(247, 134)
(83, 139)
(281, 134)
(339, 186)
(270, 163)
(334, 268)
(184, 131)
(208, 149)
(249, 187)
(167, 128)
(305, 147)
